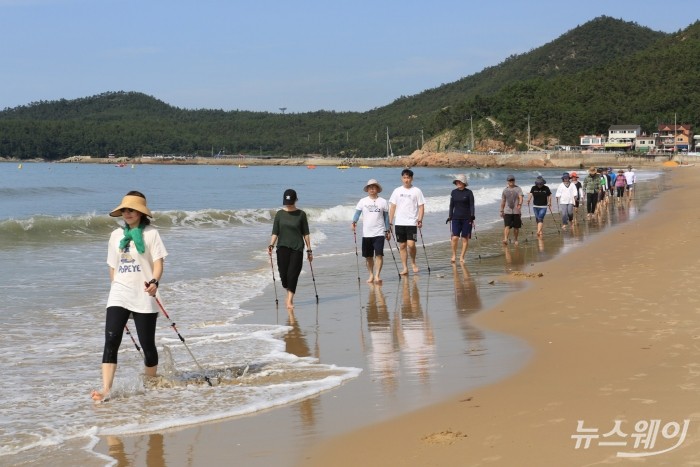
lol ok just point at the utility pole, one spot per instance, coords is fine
(528, 132)
(471, 125)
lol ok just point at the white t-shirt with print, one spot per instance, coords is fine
(132, 269)
(407, 201)
(373, 216)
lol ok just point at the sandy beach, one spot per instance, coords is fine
(615, 328)
(590, 347)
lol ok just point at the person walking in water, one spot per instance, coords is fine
(591, 186)
(511, 205)
(462, 214)
(375, 228)
(566, 199)
(406, 208)
(541, 196)
(290, 232)
(135, 257)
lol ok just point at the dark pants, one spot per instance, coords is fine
(591, 202)
(289, 264)
(145, 328)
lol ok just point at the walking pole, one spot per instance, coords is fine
(424, 251)
(274, 281)
(314, 280)
(172, 325)
(478, 243)
(357, 256)
(555, 220)
(126, 328)
(530, 213)
(395, 263)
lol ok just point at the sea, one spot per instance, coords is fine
(215, 222)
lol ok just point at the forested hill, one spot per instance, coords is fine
(131, 123)
(596, 43)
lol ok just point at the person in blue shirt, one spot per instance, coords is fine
(462, 214)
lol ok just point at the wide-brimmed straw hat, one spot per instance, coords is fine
(372, 181)
(592, 170)
(460, 178)
(134, 202)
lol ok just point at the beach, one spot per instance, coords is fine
(615, 331)
(597, 335)
(353, 356)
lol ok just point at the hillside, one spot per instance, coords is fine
(654, 85)
(131, 123)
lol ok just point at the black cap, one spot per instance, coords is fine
(290, 197)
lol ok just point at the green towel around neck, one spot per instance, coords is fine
(135, 234)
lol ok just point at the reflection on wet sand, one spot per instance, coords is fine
(383, 353)
(515, 260)
(467, 303)
(415, 332)
(155, 454)
(296, 344)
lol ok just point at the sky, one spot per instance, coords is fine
(265, 55)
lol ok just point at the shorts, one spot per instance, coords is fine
(372, 246)
(512, 220)
(406, 232)
(540, 213)
(463, 227)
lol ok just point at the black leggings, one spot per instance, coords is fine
(145, 328)
(289, 265)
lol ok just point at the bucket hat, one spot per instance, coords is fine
(460, 178)
(134, 202)
(372, 181)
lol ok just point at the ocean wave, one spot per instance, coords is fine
(28, 192)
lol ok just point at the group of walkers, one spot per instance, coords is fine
(136, 252)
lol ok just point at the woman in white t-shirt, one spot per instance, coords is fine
(135, 257)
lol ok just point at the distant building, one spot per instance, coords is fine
(646, 143)
(675, 138)
(593, 142)
(622, 137)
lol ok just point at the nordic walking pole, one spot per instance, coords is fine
(357, 256)
(392, 255)
(172, 325)
(314, 278)
(556, 224)
(274, 282)
(530, 213)
(478, 243)
(126, 328)
(424, 251)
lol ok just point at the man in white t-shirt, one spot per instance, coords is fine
(408, 205)
(375, 228)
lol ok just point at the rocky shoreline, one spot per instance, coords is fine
(419, 158)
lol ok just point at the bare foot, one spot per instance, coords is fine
(290, 306)
(461, 260)
(516, 243)
(505, 242)
(415, 269)
(370, 280)
(453, 259)
(378, 281)
(539, 234)
(404, 272)
(98, 396)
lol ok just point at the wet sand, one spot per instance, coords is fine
(615, 330)
(498, 387)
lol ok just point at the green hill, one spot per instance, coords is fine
(544, 82)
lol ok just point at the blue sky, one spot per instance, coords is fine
(261, 55)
